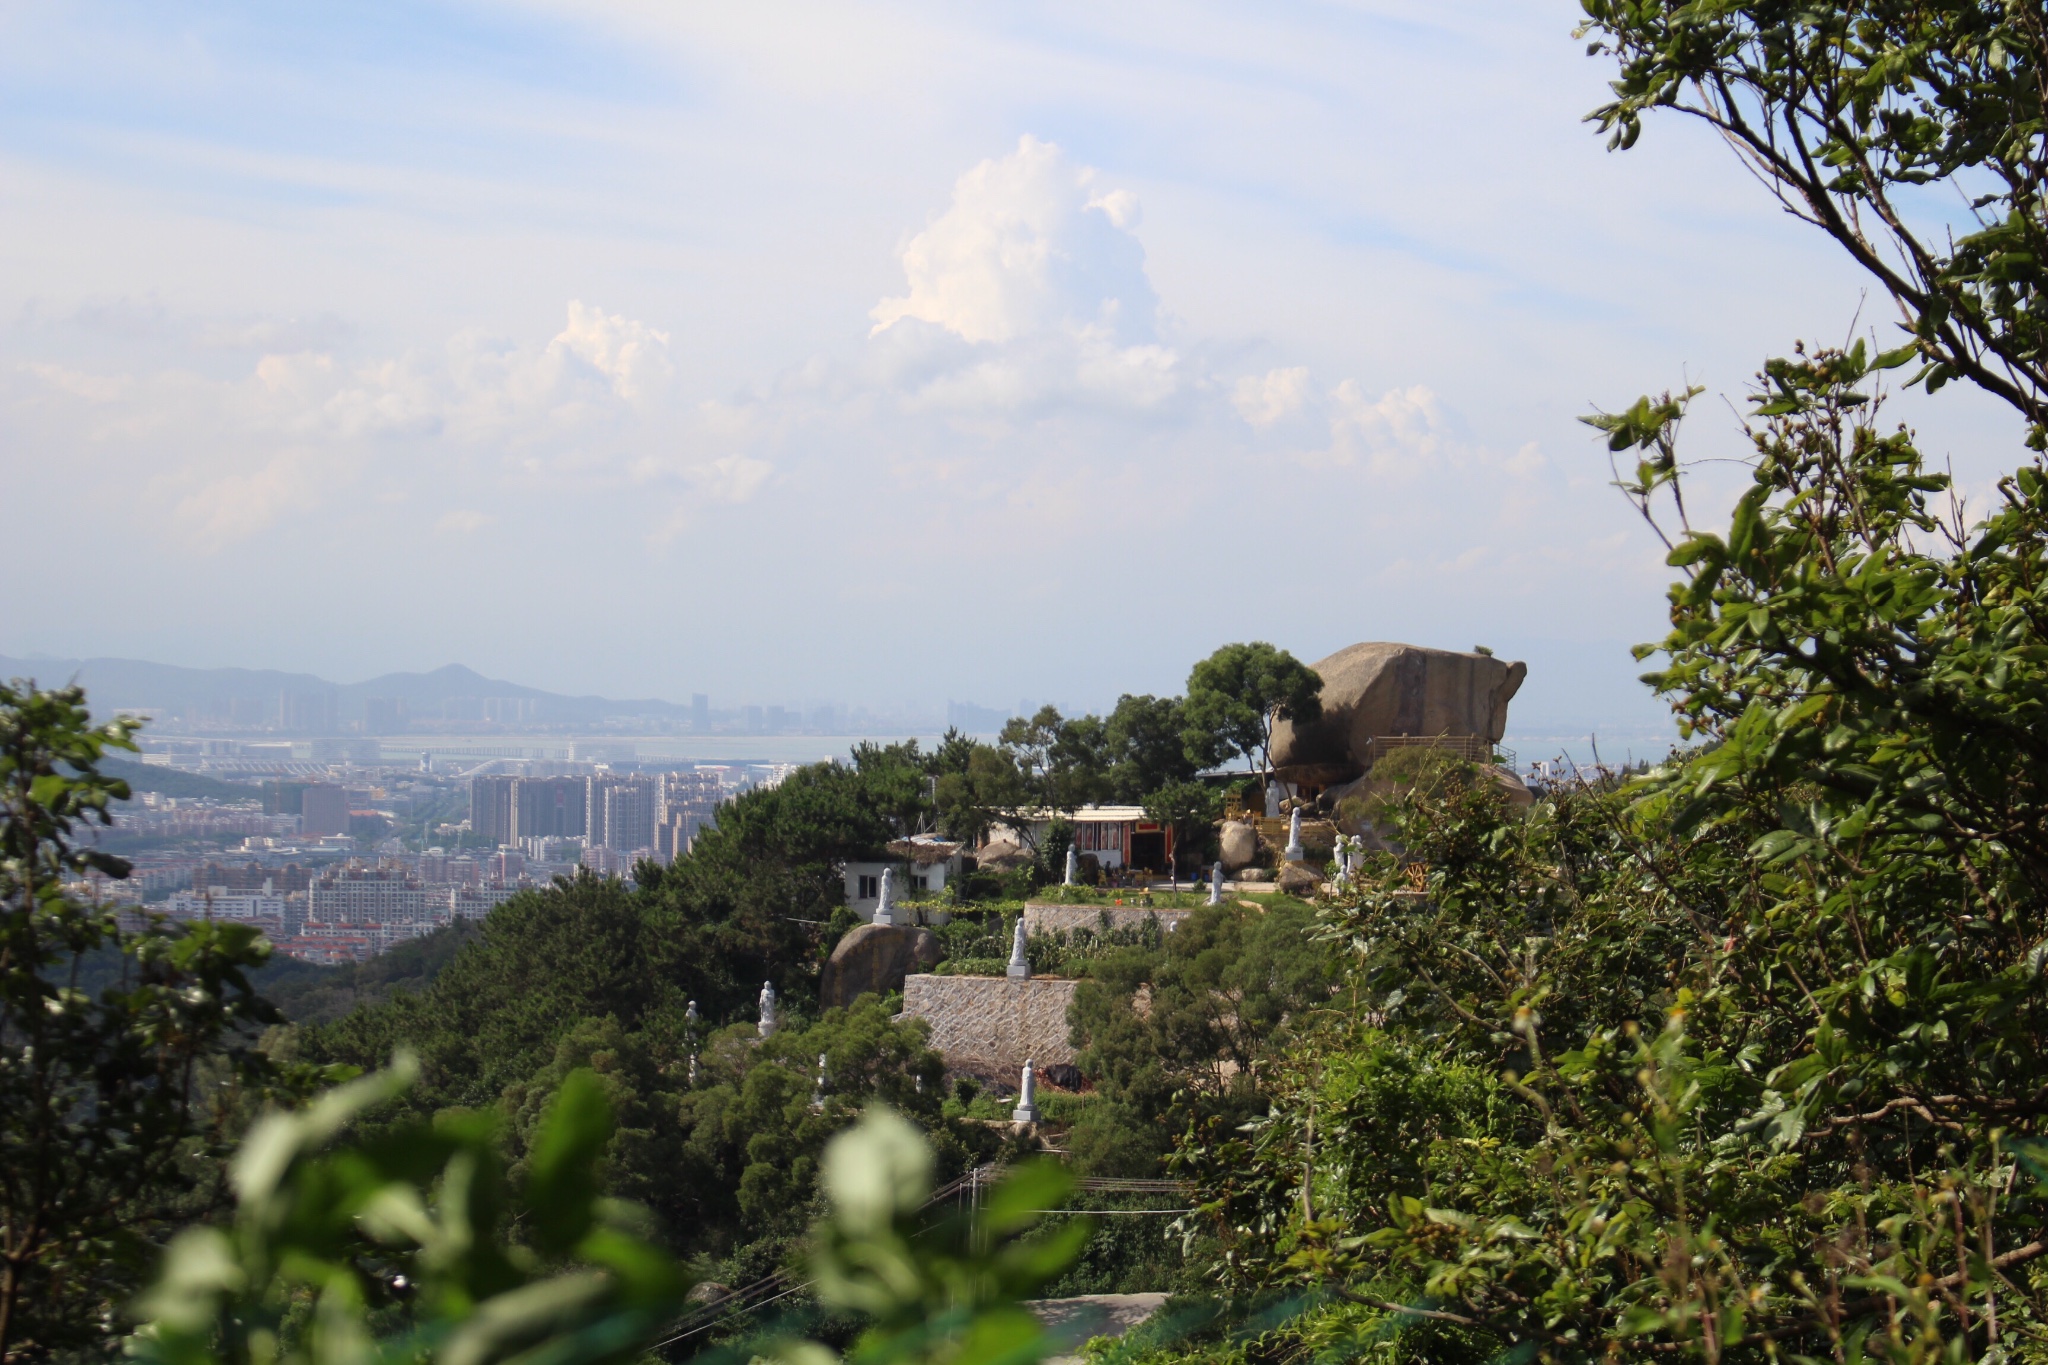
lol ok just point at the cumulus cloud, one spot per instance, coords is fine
(631, 355)
(1035, 268)
(239, 505)
(1265, 399)
(1399, 430)
(1027, 245)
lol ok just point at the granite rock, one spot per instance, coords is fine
(874, 958)
(1393, 689)
(1240, 844)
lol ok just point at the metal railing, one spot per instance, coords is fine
(967, 1189)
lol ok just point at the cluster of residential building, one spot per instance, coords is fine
(612, 819)
(354, 910)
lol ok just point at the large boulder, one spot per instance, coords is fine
(1299, 879)
(874, 958)
(1001, 855)
(1239, 844)
(1390, 689)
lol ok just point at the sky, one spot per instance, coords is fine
(864, 352)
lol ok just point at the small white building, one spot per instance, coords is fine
(924, 863)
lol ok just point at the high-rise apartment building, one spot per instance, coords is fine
(491, 812)
(323, 810)
(620, 812)
(549, 807)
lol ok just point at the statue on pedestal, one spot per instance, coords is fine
(1020, 966)
(1294, 852)
(1027, 1097)
(767, 1024)
(1073, 868)
(1216, 882)
(885, 908)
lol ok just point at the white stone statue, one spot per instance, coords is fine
(690, 1015)
(1020, 965)
(885, 908)
(1073, 868)
(1027, 1097)
(1216, 882)
(1272, 800)
(1294, 852)
(767, 1024)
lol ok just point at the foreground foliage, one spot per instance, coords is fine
(411, 1244)
(1745, 1058)
(126, 1054)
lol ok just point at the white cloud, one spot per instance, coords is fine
(1265, 399)
(733, 479)
(632, 355)
(93, 388)
(1026, 246)
(237, 506)
(1035, 268)
(1399, 432)
(463, 521)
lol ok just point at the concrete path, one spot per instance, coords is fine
(1073, 1321)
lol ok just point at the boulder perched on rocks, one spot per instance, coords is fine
(1375, 689)
(875, 958)
(1239, 844)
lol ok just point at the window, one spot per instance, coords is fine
(870, 888)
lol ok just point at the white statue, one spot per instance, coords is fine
(1216, 882)
(1272, 800)
(1027, 1097)
(818, 1097)
(1294, 852)
(885, 908)
(767, 1024)
(1020, 966)
(1073, 868)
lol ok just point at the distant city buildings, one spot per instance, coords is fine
(323, 809)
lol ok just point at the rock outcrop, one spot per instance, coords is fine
(874, 958)
(1239, 844)
(1299, 879)
(1370, 690)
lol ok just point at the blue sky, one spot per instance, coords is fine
(861, 352)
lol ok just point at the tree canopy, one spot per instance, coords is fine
(1236, 694)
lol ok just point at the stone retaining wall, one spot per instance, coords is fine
(989, 1026)
(1041, 918)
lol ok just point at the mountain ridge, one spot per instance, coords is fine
(114, 683)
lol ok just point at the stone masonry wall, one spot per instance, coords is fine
(990, 1025)
(1045, 919)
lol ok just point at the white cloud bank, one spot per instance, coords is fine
(1023, 392)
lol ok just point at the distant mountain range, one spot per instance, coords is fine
(451, 692)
